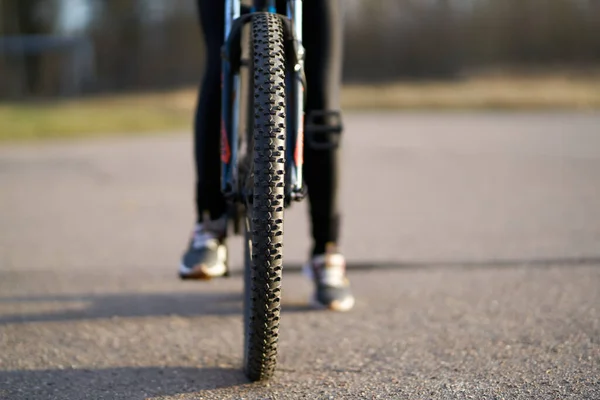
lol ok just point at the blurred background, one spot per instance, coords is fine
(479, 53)
(471, 226)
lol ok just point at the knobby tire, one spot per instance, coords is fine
(266, 210)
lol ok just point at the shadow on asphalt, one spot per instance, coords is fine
(184, 304)
(191, 304)
(472, 264)
(500, 263)
(122, 383)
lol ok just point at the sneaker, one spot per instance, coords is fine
(332, 287)
(206, 256)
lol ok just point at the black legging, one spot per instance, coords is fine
(323, 42)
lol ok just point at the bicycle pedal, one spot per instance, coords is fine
(330, 123)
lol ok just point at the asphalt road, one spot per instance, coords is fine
(474, 249)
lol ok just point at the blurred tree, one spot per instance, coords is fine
(153, 44)
(144, 44)
(29, 18)
(117, 35)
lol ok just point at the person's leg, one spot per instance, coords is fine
(206, 255)
(209, 198)
(323, 34)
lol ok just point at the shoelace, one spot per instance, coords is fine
(203, 239)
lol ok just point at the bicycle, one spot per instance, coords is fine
(262, 138)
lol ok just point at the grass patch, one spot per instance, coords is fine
(487, 93)
(100, 116)
(160, 112)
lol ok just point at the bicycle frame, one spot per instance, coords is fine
(231, 92)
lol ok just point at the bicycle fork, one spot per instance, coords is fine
(235, 19)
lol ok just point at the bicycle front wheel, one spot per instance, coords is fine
(265, 211)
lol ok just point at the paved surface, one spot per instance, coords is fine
(473, 239)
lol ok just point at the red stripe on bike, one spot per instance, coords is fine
(299, 153)
(225, 149)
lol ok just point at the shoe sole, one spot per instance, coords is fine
(199, 273)
(337, 305)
